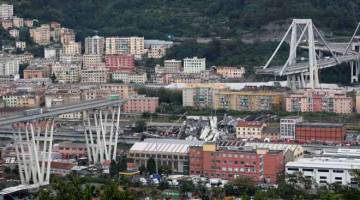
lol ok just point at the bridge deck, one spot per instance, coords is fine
(53, 112)
(303, 67)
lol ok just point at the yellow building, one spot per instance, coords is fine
(256, 100)
(41, 35)
(201, 94)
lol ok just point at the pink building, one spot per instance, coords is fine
(319, 100)
(140, 104)
(69, 150)
(120, 62)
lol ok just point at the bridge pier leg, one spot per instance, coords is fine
(354, 68)
(106, 124)
(33, 152)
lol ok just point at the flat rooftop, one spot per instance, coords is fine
(326, 163)
(320, 124)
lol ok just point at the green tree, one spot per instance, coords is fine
(111, 192)
(114, 169)
(142, 169)
(244, 184)
(151, 166)
(140, 126)
(165, 169)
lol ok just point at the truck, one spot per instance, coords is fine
(113, 97)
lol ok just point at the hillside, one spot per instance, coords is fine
(188, 18)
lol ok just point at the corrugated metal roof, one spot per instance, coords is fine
(164, 145)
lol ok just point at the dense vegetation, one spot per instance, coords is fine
(206, 18)
(122, 188)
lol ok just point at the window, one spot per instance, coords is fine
(338, 178)
(323, 170)
(293, 169)
(338, 171)
(308, 170)
(323, 177)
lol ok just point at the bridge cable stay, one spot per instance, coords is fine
(352, 39)
(327, 46)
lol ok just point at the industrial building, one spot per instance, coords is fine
(168, 152)
(325, 170)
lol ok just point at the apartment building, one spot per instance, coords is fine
(124, 91)
(129, 77)
(33, 72)
(172, 66)
(248, 100)
(7, 24)
(141, 104)
(14, 33)
(320, 132)
(71, 48)
(288, 126)
(120, 62)
(60, 96)
(125, 45)
(194, 65)
(212, 161)
(67, 73)
(156, 51)
(6, 11)
(9, 66)
(231, 72)
(319, 100)
(93, 61)
(23, 100)
(94, 45)
(250, 129)
(18, 22)
(29, 23)
(70, 150)
(67, 35)
(167, 152)
(201, 95)
(41, 35)
(94, 75)
(116, 45)
(55, 28)
(325, 170)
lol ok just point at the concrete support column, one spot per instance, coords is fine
(101, 134)
(354, 68)
(33, 151)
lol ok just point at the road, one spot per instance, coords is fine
(53, 112)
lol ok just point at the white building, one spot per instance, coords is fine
(94, 45)
(194, 65)
(94, 75)
(49, 52)
(66, 73)
(169, 152)
(325, 170)
(288, 125)
(20, 45)
(14, 33)
(172, 66)
(9, 66)
(6, 11)
(125, 45)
